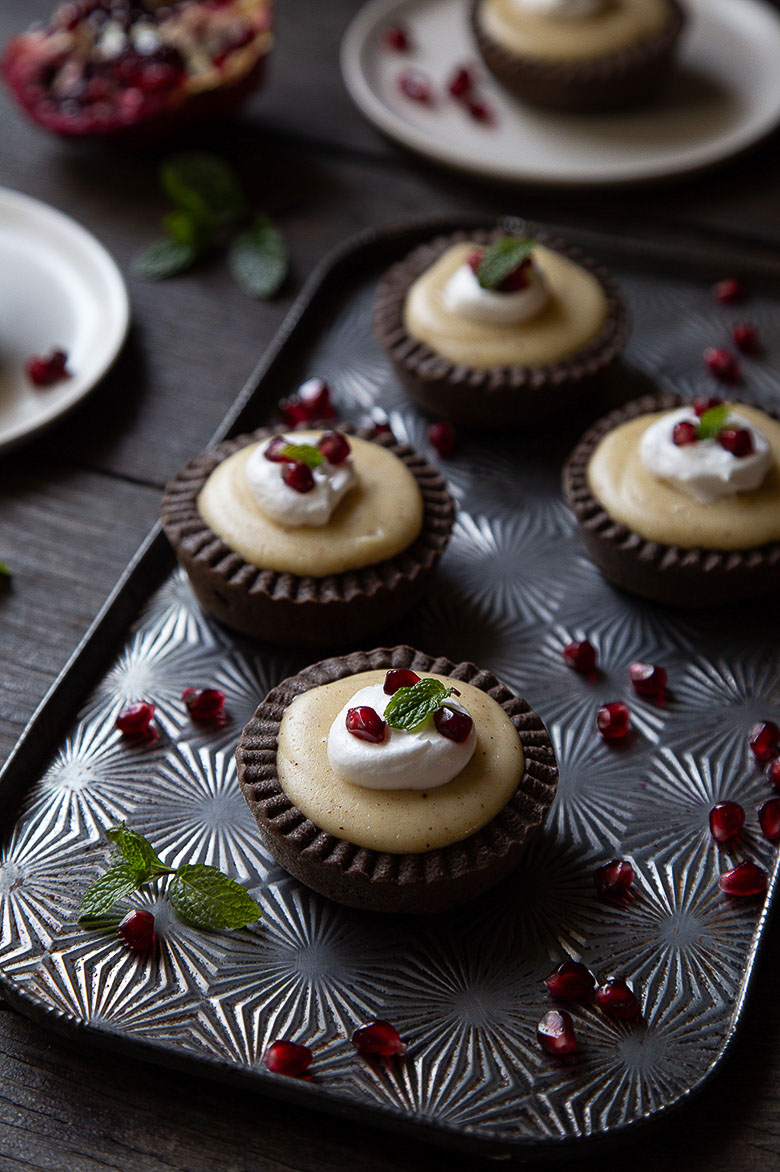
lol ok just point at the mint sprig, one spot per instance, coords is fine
(303, 453)
(202, 895)
(502, 258)
(203, 186)
(164, 258)
(258, 260)
(410, 708)
(713, 420)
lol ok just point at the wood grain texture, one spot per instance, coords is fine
(75, 503)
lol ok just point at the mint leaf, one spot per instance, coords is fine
(410, 707)
(305, 453)
(185, 229)
(206, 898)
(164, 258)
(137, 853)
(258, 260)
(712, 421)
(5, 577)
(205, 187)
(100, 896)
(502, 258)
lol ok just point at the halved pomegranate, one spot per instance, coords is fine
(138, 68)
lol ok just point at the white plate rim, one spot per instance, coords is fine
(117, 315)
(708, 155)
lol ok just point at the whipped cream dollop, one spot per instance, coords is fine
(284, 504)
(704, 470)
(561, 9)
(423, 759)
(464, 296)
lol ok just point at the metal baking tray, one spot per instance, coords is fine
(465, 990)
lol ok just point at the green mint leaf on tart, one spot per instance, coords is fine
(409, 708)
(100, 897)
(205, 187)
(137, 853)
(502, 258)
(303, 453)
(164, 258)
(206, 898)
(713, 420)
(258, 260)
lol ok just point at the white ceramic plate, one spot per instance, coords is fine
(59, 288)
(725, 97)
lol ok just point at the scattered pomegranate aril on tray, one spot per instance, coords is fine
(614, 721)
(614, 879)
(726, 820)
(366, 724)
(44, 372)
(479, 110)
(648, 679)
(556, 1032)
(746, 338)
(571, 981)
(729, 290)
(722, 363)
(138, 71)
(455, 726)
(461, 83)
(769, 819)
(744, 880)
(135, 719)
(289, 1058)
(136, 931)
(378, 1037)
(416, 85)
(443, 437)
(581, 657)
(618, 1000)
(397, 38)
(204, 703)
(773, 773)
(764, 740)
(399, 677)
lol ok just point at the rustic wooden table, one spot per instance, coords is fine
(75, 504)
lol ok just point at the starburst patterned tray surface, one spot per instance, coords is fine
(464, 990)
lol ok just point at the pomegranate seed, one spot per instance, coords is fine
(613, 720)
(703, 404)
(378, 1037)
(518, 279)
(415, 84)
(745, 879)
(736, 440)
(397, 38)
(728, 291)
(136, 931)
(288, 1058)
(366, 724)
(617, 999)
(726, 820)
(383, 429)
(580, 657)
(769, 818)
(442, 437)
(136, 718)
(481, 112)
(570, 981)
(745, 338)
(773, 773)
(648, 679)
(455, 726)
(461, 83)
(310, 404)
(475, 258)
(685, 433)
(764, 740)
(614, 879)
(293, 412)
(400, 677)
(204, 703)
(274, 450)
(43, 372)
(722, 363)
(334, 447)
(556, 1032)
(298, 476)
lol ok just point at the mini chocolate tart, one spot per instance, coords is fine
(492, 397)
(304, 609)
(613, 80)
(379, 880)
(679, 575)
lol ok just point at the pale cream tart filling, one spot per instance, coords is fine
(573, 314)
(381, 515)
(660, 511)
(554, 37)
(396, 820)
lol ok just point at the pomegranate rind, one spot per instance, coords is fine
(201, 97)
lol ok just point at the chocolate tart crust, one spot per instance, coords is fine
(297, 610)
(498, 396)
(613, 81)
(666, 573)
(432, 881)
